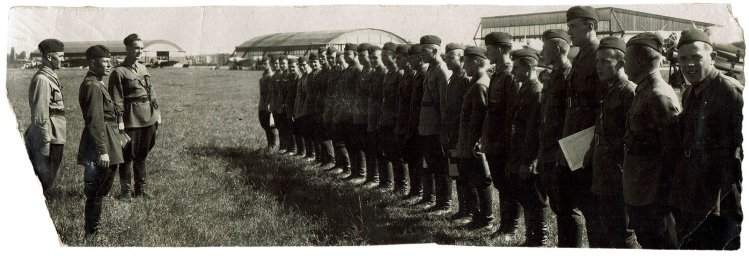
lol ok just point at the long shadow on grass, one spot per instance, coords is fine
(351, 214)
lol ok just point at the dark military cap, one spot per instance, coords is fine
(430, 39)
(51, 45)
(498, 38)
(648, 39)
(313, 56)
(454, 46)
(475, 51)
(693, 35)
(97, 51)
(556, 33)
(302, 59)
(402, 49)
(332, 50)
(612, 42)
(363, 47)
(130, 39)
(415, 49)
(266, 58)
(351, 47)
(582, 12)
(524, 52)
(321, 50)
(283, 57)
(373, 48)
(390, 46)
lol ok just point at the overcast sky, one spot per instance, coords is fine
(201, 30)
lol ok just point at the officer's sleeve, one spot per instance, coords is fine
(531, 142)
(93, 115)
(480, 99)
(735, 103)
(116, 92)
(39, 97)
(442, 80)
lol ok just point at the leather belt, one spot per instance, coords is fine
(56, 112)
(142, 99)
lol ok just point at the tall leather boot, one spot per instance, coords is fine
(126, 177)
(536, 230)
(139, 169)
(92, 216)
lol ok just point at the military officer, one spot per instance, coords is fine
(321, 135)
(472, 117)
(582, 106)
(556, 46)
(333, 100)
(138, 115)
(425, 188)
(607, 150)
(523, 117)
(374, 111)
(363, 89)
(650, 144)
(100, 148)
(457, 86)
(393, 164)
(291, 84)
(263, 106)
(402, 118)
(301, 109)
(45, 136)
(493, 139)
(706, 190)
(346, 109)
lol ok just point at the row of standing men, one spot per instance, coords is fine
(661, 173)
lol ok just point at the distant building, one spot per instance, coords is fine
(154, 51)
(301, 43)
(210, 59)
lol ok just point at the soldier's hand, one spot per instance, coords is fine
(103, 160)
(45, 149)
(121, 126)
(159, 119)
(476, 149)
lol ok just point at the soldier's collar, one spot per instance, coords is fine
(502, 67)
(711, 75)
(94, 74)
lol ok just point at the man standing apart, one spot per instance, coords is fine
(137, 113)
(706, 190)
(100, 148)
(45, 136)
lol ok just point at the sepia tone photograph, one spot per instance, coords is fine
(570, 125)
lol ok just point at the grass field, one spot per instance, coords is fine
(215, 186)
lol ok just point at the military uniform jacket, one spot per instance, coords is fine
(607, 147)
(374, 102)
(134, 95)
(274, 91)
(302, 94)
(553, 107)
(319, 89)
(524, 113)
(583, 94)
(711, 133)
(361, 98)
(290, 86)
(332, 94)
(282, 91)
(390, 98)
(457, 86)
(492, 142)
(472, 115)
(100, 132)
(404, 101)
(47, 110)
(348, 84)
(417, 93)
(264, 84)
(433, 99)
(650, 141)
